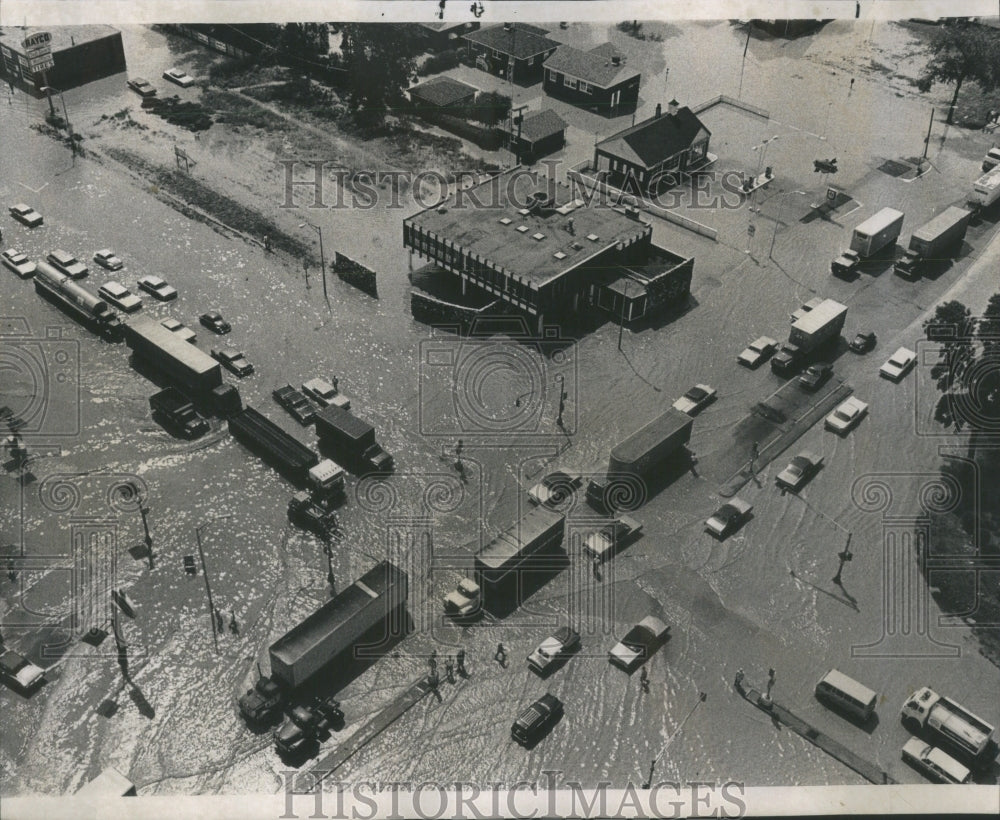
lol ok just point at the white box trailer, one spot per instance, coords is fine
(986, 189)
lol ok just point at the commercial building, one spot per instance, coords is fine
(539, 134)
(597, 79)
(539, 247)
(514, 51)
(80, 54)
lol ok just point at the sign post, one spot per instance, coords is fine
(38, 52)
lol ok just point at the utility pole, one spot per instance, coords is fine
(322, 257)
(621, 324)
(927, 142)
(204, 570)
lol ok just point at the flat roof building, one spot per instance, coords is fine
(81, 54)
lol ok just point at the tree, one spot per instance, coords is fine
(960, 52)
(379, 58)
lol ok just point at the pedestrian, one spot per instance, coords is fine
(336, 385)
(449, 670)
(267, 242)
(458, 447)
(220, 623)
(596, 566)
(460, 662)
(433, 680)
(644, 679)
(500, 656)
(739, 679)
(233, 626)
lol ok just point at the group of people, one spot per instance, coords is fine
(452, 665)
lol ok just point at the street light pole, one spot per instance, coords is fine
(69, 127)
(204, 571)
(322, 256)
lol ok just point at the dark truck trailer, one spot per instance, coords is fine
(377, 597)
(504, 566)
(93, 313)
(266, 438)
(192, 369)
(639, 459)
(809, 332)
(177, 411)
(352, 440)
(934, 240)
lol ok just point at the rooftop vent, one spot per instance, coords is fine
(559, 255)
(505, 220)
(508, 26)
(616, 59)
(522, 228)
(593, 237)
(538, 237)
(523, 211)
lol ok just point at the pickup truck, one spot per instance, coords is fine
(464, 600)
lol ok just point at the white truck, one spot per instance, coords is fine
(985, 190)
(871, 236)
(947, 720)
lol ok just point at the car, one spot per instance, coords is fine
(464, 600)
(178, 77)
(555, 488)
(21, 673)
(757, 352)
(182, 330)
(295, 403)
(695, 399)
(799, 470)
(157, 288)
(68, 264)
(863, 342)
(233, 361)
(900, 363)
(142, 87)
(537, 719)
(26, 215)
(992, 159)
(119, 296)
(307, 723)
(847, 414)
(19, 263)
(934, 763)
(213, 321)
(325, 394)
(107, 258)
(728, 517)
(815, 376)
(554, 648)
(604, 542)
(638, 644)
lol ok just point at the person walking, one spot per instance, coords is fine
(233, 626)
(500, 656)
(220, 623)
(644, 679)
(460, 662)
(449, 670)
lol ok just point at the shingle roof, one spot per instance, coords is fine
(443, 91)
(523, 41)
(656, 139)
(541, 124)
(593, 66)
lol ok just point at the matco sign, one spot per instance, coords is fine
(38, 51)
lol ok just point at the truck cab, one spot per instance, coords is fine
(787, 361)
(262, 704)
(846, 264)
(305, 724)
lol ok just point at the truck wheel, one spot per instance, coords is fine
(912, 725)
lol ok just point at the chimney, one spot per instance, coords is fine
(508, 26)
(616, 59)
(659, 112)
(672, 107)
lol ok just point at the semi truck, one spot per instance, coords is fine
(939, 716)
(191, 369)
(810, 332)
(352, 441)
(871, 236)
(177, 412)
(639, 458)
(934, 240)
(315, 509)
(267, 439)
(985, 190)
(93, 313)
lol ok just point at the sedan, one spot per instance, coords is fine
(728, 517)
(19, 263)
(900, 363)
(295, 403)
(603, 543)
(557, 646)
(799, 470)
(182, 330)
(863, 342)
(175, 75)
(157, 288)
(815, 376)
(119, 296)
(233, 361)
(757, 352)
(639, 644)
(142, 87)
(26, 215)
(555, 488)
(213, 321)
(697, 398)
(108, 259)
(848, 413)
(68, 264)
(537, 719)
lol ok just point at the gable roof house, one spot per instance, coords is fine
(597, 79)
(515, 51)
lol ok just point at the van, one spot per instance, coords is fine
(846, 694)
(933, 763)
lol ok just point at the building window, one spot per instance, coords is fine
(584, 87)
(531, 61)
(569, 82)
(497, 53)
(553, 77)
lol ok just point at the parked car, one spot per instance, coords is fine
(638, 644)
(900, 363)
(68, 264)
(17, 670)
(119, 296)
(19, 263)
(602, 544)
(863, 342)
(553, 649)
(178, 77)
(757, 352)
(107, 258)
(728, 517)
(847, 414)
(815, 376)
(697, 398)
(213, 321)
(233, 361)
(934, 763)
(992, 159)
(295, 403)
(157, 288)
(555, 488)
(537, 719)
(142, 87)
(464, 600)
(799, 470)
(325, 394)
(26, 215)
(182, 330)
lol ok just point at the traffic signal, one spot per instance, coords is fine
(825, 166)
